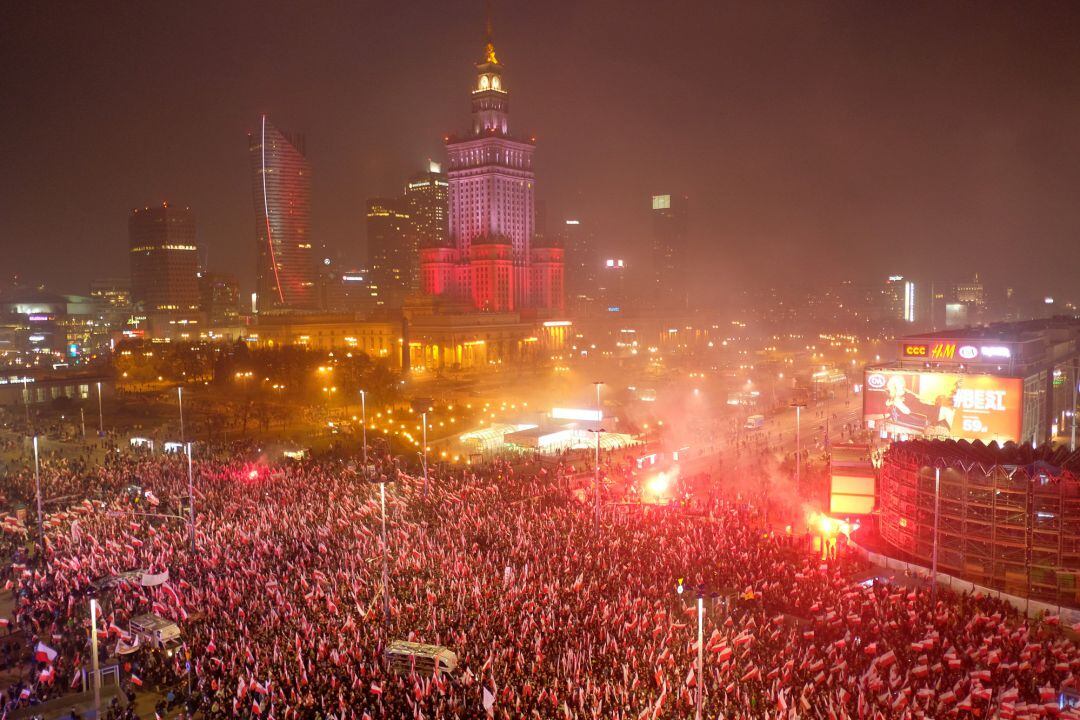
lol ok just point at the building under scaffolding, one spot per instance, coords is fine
(1008, 518)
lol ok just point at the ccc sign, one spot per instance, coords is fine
(919, 351)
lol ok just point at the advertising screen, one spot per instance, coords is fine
(947, 405)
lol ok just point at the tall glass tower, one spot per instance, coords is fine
(281, 187)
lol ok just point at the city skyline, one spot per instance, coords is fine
(794, 147)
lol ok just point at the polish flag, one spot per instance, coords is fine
(136, 680)
(44, 653)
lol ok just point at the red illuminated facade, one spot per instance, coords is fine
(281, 187)
(489, 260)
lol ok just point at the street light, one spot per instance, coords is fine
(798, 442)
(423, 415)
(700, 648)
(191, 501)
(37, 489)
(180, 400)
(937, 510)
(94, 652)
(26, 403)
(596, 478)
(382, 480)
(599, 417)
(363, 422)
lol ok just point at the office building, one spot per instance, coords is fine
(1004, 382)
(426, 201)
(670, 229)
(219, 298)
(281, 188)
(164, 260)
(393, 251)
(582, 262)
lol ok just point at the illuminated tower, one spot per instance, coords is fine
(488, 255)
(281, 186)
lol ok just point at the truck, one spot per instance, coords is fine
(755, 422)
(156, 632)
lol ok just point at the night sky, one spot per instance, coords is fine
(815, 140)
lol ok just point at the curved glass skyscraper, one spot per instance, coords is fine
(281, 186)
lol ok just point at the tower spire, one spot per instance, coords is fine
(489, 35)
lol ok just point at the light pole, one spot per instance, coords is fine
(1072, 441)
(596, 480)
(937, 512)
(596, 473)
(385, 550)
(26, 404)
(94, 657)
(191, 501)
(100, 415)
(700, 648)
(82, 422)
(363, 423)
(370, 477)
(798, 443)
(180, 400)
(37, 490)
(424, 418)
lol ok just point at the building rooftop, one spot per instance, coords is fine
(1005, 331)
(1044, 458)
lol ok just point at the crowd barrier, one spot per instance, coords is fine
(1032, 608)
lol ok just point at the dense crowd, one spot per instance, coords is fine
(550, 617)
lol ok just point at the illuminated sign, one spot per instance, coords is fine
(945, 405)
(352, 278)
(943, 351)
(573, 222)
(995, 351)
(557, 323)
(577, 414)
(948, 351)
(38, 318)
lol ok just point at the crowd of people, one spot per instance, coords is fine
(550, 616)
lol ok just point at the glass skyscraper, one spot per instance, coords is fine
(281, 186)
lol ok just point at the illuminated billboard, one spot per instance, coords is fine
(947, 405)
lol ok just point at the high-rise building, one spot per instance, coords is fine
(219, 298)
(611, 285)
(488, 256)
(281, 186)
(164, 259)
(392, 251)
(582, 262)
(426, 201)
(669, 248)
(970, 293)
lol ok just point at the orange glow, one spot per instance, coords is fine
(659, 484)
